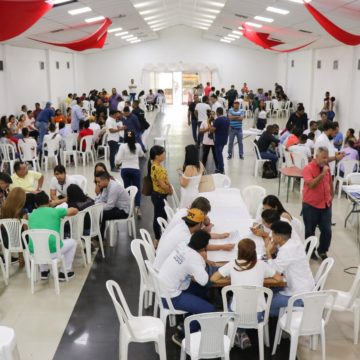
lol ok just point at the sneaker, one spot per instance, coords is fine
(70, 275)
(242, 157)
(323, 256)
(242, 340)
(177, 339)
(229, 157)
(44, 275)
(138, 212)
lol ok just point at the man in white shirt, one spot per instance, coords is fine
(132, 90)
(215, 103)
(59, 184)
(291, 261)
(186, 264)
(313, 129)
(201, 109)
(301, 147)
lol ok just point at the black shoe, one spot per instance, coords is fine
(323, 256)
(242, 157)
(229, 157)
(70, 275)
(177, 339)
(44, 275)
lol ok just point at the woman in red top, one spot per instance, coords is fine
(84, 131)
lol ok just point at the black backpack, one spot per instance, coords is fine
(269, 172)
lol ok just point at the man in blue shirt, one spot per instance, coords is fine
(132, 124)
(236, 116)
(339, 137)
(76, 115)
(42, 123)
(221, 128)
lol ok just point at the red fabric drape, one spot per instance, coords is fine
(18, 16)
(93, 41)
(338, 33)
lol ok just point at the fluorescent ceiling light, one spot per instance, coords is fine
(127, 36)
(228, 39)
(132, 38)
(214, 11)
(264, 19)
(153, 16)
(225, 41)
(240, 28)
(61, 2)
(150, 11)
(233, 36)
(114, 30)
(201, 27)
(135, 41)
(215, 3)
(238, 33)
(253, 24)
(277, 10)
(96, 18)
(207, 16)
(79, 11)
(158, 25)
(145, 3)
(122, 33)
(300, 1)
(152, 22)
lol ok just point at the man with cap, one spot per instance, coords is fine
(186, 263)
(236, 117)
(181, 233)
(42, 123)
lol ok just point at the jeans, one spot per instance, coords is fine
(318, 217)
(113, 147)
(112, 214)
(132, 96)
(268, 155)
(132, 177)
(159, 211)
(280, 301)
(194, 128)
(200, 136)
(239, 135)
(42, 128)
(205, 154)
(219, 157)
(260, 124)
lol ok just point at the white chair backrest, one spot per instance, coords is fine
(163, 223)
(287, 105)
(275, 104)
(82, 181)
(104, 139)
(213, 326)
(169, 212)
(136, 246)
(312, 312)
(76, 224)
(70, 142)
(51, 147)
(257, 151)
(246, 300)
(355, 288)
(310, 245)
(122, 309)
(253, 196)
(13, 230)
(221, 181)
(7, 152)
(132, 191)
(40, 240)
(299, 159)
(347, 166)
(88, 140)
(323, 273)
(145, 235)
(353, 179)
(268, 105)
(175, 198)
(288, 158)
(298, 227)
(27, 150)
(95, 213)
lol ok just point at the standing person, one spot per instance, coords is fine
(161, 185)
(114, 100)
(76, 115)
(339, 137)
(214, 102)
(221, 128)
(37, 110)
(128, 155)
(317, 200)
(208, 139)
(140, 114)
(5, 182)
(201, 114)
(113, 137)
(43, 120)
(236, 117)
(245, 88)
(267, 141)
(192, 119)
(132, 90)
(299, 118)
(207, 89)
(231, 95)
(132, 124)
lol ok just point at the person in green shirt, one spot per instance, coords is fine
(46, 217)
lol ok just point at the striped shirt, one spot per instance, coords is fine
(236, 124)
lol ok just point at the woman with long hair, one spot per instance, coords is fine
(160, 184)
(208, 138)
(100, 167)
(191, 175)
(246, 270)
(128, 156)
(273, 203)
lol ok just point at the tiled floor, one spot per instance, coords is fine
(81, 323)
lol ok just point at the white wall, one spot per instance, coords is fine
(308, 84)
(114, 68)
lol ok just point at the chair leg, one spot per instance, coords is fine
(133, 228)
(356, 324)
(314, 342)
(261, 342)
(323, 347)
(277, 338)
(141, 300)
(123, 347)
(32, 280)
(266, 335)
(156, 305)
(56, 277)
(183, 354)
(87, 240)
(7, 257)
(3, 272)
(293, 346)
(82, 252)
(172, 320)
(27, 263)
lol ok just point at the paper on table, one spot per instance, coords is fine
(221, 255)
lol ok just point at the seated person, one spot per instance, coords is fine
(64, 130)
(291, 261)
(85, 130)
(313, 129)
(186, 263)
(273, 203)
(350, 154)
(310, 142)
(247, 270)
(30, 141)
(59, 184)
(265, 142)
(114, 196)
(301, 147)
(5, 182)
(294, 138)
(52, 136)
(46, 217)
(30, 181)
(181, 233)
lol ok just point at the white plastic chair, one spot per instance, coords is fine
(253, 196)
(163, 224)
(169, 212)
(112, 225)
(350, 301)
(147, 289)
(268, 106)
(309, 320)
(289, 162)
(286, 109)
(82, 181)
(95, 213)
(27, 153)
(42, 255)
(162, 140)
(353, 179)
(221, 181)
(13, 228)
(300, 160)
(7, 155)
(139, 329)
(8, 346)
(211, 341)
(104, 146)
(175, 198)
(2, 268)
(160, 290)
(50, 150)
(347, 166)
(276, 108)
(310, 245)
(298, 226)
(89, 149)
(323, 273)
(69, 144)
(145, 235)
(259, 162)
(245, 300)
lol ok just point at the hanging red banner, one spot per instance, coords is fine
(18, 16)
(338, 33)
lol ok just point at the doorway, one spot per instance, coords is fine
(189, 81)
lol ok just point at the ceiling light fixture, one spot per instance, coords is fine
(145, 3)
(238, 32)
(135, 41)
(264, 19)
(114, 30)
(79, 11)
(57, 3)
(132, 38)
(152, 22)
(225, 41)
(214, 11)
(233, 36)
(215, 3)
(277, 10)
(122, 33)
(96, 18)
(153, 16)
(228, 39)
(150, 11)
(127, 37)
(207, 16)
(159, 28)
(253, 24)
(300, 1)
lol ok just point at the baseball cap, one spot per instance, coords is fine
(237, 100)
(194, 216)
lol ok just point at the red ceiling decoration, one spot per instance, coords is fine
(93, 41)
(338, 33)
(18, 16)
